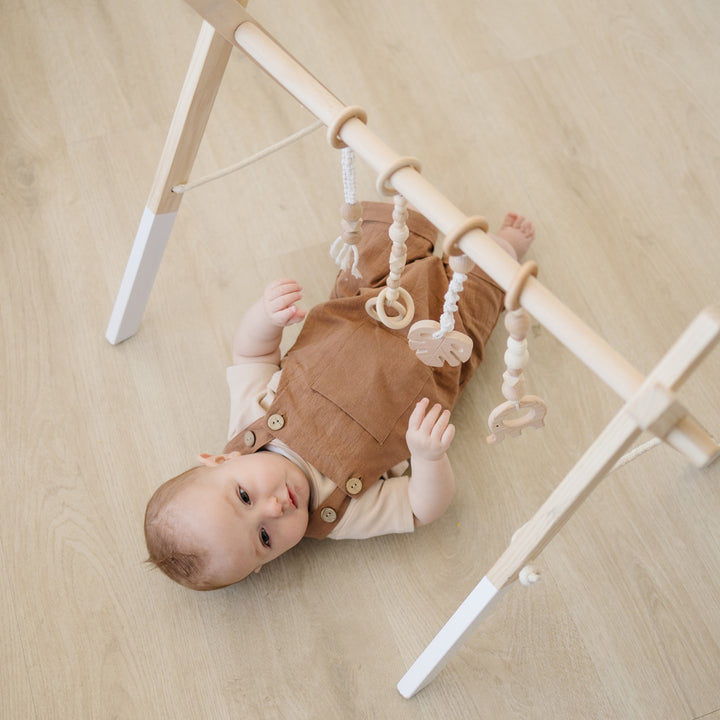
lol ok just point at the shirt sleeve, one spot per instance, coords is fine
(252, 389)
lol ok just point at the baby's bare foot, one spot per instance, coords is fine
(517, 232)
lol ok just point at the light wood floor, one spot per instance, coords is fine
(599, 120)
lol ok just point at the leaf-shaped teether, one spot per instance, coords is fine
(453, 348)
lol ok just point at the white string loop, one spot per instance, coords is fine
(634, 453)
(186, 187)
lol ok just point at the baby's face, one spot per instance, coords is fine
(246, 511)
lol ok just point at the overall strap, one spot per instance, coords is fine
(325, 518)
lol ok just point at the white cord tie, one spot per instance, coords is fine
(186, 187)
(346, 256)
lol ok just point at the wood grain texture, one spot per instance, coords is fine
(596, 120)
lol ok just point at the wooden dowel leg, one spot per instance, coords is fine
(186, 130)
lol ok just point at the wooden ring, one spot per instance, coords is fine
(375, 307)
(334, 128)
(512, 297)
(474, 222)
(383, 182)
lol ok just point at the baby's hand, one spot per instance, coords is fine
(279, 301)
(429, 432)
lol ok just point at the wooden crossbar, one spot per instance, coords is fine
(588, 346)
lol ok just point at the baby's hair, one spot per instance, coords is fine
(184, 565)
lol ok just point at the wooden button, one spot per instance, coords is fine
(276, 421)
(328, 515)
(249, 438)
(353, 485)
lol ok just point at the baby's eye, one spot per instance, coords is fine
(242, 494)
(264, 538)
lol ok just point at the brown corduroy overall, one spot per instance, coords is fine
(349, 384)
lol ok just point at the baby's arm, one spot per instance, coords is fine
(432, 484)
(259, 333)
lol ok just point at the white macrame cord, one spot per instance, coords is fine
(344, 250)
(452, 296)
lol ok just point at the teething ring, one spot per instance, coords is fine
(375, 307)
(334, 128)
(474, 222)
(512, 297)
(382, 185)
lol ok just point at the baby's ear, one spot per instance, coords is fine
(215, 460)
(258, 569)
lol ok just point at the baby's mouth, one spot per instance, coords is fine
(293, 497)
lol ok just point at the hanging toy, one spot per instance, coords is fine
(393, 295)
(344, 250)
(393, 292)
(520, 411)
(437, 343)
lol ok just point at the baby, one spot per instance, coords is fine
(319, 447)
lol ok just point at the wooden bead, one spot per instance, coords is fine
(461, 263)
(513, 387)
(517, 323)
(516, 358)
(399, 215)
(352, 211)
(398, 233)
(351, 237)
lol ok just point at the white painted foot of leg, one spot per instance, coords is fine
(140, 272)
(450, 639)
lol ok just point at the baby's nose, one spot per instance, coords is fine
(275, 507)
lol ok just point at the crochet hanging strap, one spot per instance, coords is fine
(344, 250)
(437, 343)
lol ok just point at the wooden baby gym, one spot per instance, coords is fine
(651, 401)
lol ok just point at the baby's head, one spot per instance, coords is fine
(218, 522)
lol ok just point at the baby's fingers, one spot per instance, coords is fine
(442, 431)
(290, 315)
(280, 287)
(282, 293)
(434, 416)
(280, 298)
(447, 436)
(418, 414)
